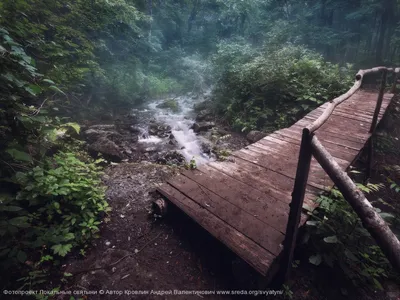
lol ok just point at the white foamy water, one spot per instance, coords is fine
(180, 122)
(151, 139)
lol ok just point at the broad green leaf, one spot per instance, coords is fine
(61, 250)
(19, 155)
(378, 284)
(30, 91)
(48, 81)
(35, 89)
(331, 239)
(56, 89)
(315, 259)
(75, 126)
(21, 256)
(69, 236)
(19, 222)
(387, 216)
(10, 208)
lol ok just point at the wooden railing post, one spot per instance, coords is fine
(379, 101)
(299, 189)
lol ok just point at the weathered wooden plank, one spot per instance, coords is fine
(284, 166)
(259, 258)
(351, 116)
(259, 149)
(339, 151)
(266, 208)
(329, 137)
(336, 127)
(331, 131)
(264, 180)
(251, 226)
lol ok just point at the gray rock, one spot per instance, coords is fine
(93, 134)
(103, 127)
(108, 148)
(134, 129)
(254, 136)
(204, 115)
(171, 157)
(159, 130)
(150, 149)
(202, 126)
(206, 147)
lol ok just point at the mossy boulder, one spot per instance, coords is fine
(171, 104)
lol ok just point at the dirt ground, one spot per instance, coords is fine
(140, 252)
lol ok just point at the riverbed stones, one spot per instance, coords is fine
(159, 130)
(107, 148)
(202, 126)
(92, 135)
(171, 158)
(204, 115)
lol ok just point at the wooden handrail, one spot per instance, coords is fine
(310, 146)
(335, 102)
(371, 220)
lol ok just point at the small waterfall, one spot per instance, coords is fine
(188, 143)
(144, 133)
(145, 137)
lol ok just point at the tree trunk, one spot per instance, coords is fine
(385, 20)
(193, 15)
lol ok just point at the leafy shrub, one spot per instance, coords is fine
(339, 239)
(49, 204)
(273, 88)
(58, 208)
(161, 86)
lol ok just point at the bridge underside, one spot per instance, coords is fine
(245, 202)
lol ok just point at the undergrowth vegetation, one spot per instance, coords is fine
(274, 87)
(339, 239)
(335, 235)
(51, 195)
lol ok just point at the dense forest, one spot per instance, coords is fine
(67, 64)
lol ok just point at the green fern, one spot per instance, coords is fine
(370, 187)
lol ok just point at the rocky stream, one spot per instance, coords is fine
(172, 131)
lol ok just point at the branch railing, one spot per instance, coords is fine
(311, 146)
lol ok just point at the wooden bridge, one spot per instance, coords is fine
(245, 202)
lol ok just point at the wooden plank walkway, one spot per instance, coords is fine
(245, 202)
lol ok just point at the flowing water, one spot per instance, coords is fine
(188, 143)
